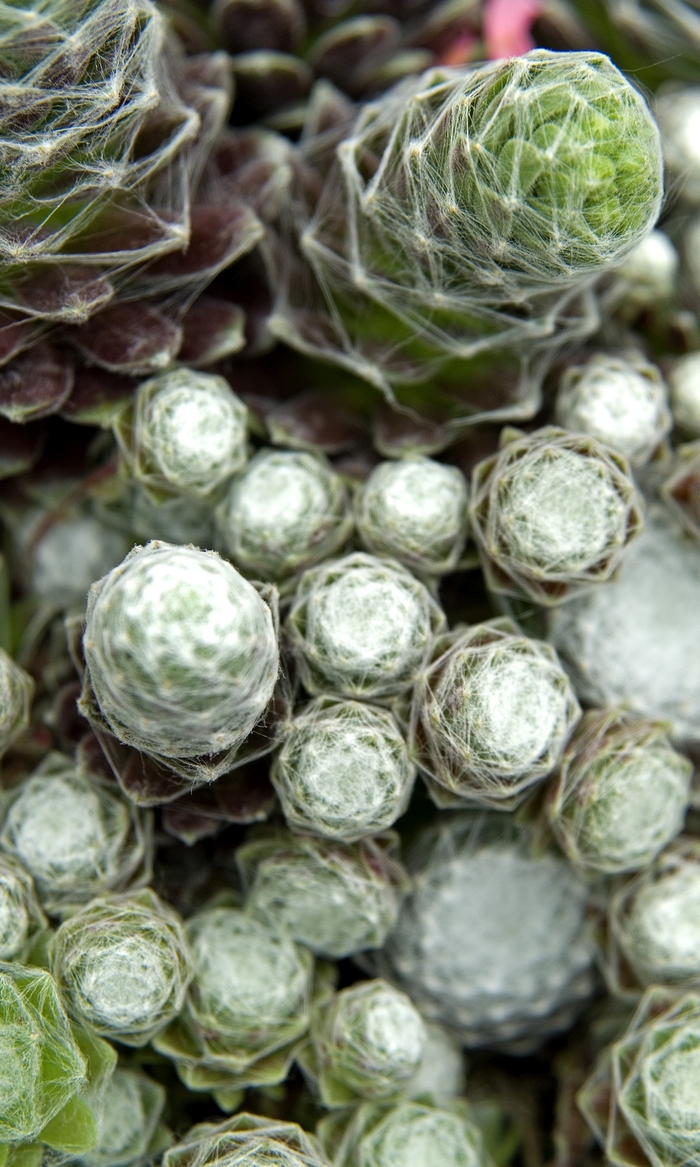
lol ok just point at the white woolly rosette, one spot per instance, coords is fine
(66, 554)
(653, 925)
(247, 1007)
(287, 511)
(678, 116)
(490, 716)
(646, 278)
(366, 1043)
(492, 942)
(372, 1135)
(415, 510)
(246, 1139)
(344, 770)
(643, 1098)
(333, 898)
(684, 387)
(633, 641)
(186, 434)
(127, 1116)
(16, 693)
(123, 965)
(552, 514)
(361, 626)
(621, 793)
(74, 836)
(181, 655)
(21, 917)
(621, 401)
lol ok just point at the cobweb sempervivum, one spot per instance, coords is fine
(16, 692)
(21, 919)
(52, 1069)
(360, 627)
(684, 386)
(75, 835)
(185, 434)
(464, 216)
(285, 512)
(552, 513)
(182, 657)
(621, 792)
(333, 898)
(653, 925)
(105, 128)
(123, 965)
(246, 1009)
(344, 770)
(410, 1132)
(366, 1042)
(492, 942)
(128, 1121)
(246, 1140)
(491, 714)
(415, 510)
(643, 1099)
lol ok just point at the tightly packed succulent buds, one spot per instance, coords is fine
(181, 653)
(287, 511)
(621, 793)
(334, 898)
(186, 434)
(360, 627)
(344, 770)
(491, 713)
(409, 1132)
(249, 1139)
(123, 965)
(552, 513)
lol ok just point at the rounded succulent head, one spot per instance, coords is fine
(287, 511)
(621, 794)
(415, 510)
(361, 626)
(647, 276)
(21, 918)
(123, 965)
(16, 692)
(492, 942)
(70, 553)
(643, 1098)
(181, 651)
(491, 715)
(368, 1041)
(344, 770)
(655, 919)
(410, 1132)
(618, 400)
(552, 513)
(334, 898)
(127, 1121)
(75, 837)
(678, 115)
(43, 1068)
(186, 434)
(246, 1139)
(684, 386)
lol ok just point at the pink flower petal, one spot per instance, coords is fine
(507, 26)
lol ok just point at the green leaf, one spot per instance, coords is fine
(73, 1129)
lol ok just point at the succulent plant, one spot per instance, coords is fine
(654, 924)
(684, 386)
(128, 1122)
(642, 1100)
(647, 276)
(75, 836)
(16, 692)
(246, 1138)
(414, 510)
(247, 1007)
(440, 1078)
(47, 1066)
(409, 1132)
(181, 654)
(552, 513)
(184, 434)
(631, 640)
(621, 401)
(360, 627)
(123, 965)
(491, 714)
(492, 942)
(678, 114)
(621, 793)
(334, 898)
(366, 1042)
(22, 921)
(344, 770)
(465, 209)
(287, 511)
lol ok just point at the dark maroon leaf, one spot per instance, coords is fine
(96, 394)
(245, 25)
(61, 291)
(267, 80)
(211, 330)
(20, 447)
(128, 338)
(71, 726)
(219, 236)
(244, 796)
(36, 383)
(313, 420)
